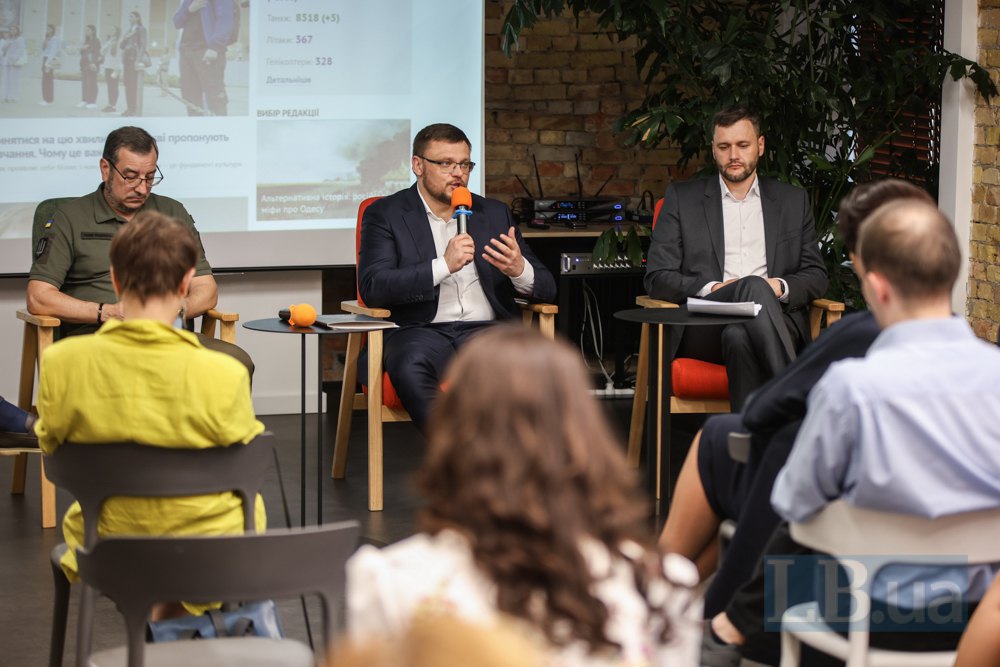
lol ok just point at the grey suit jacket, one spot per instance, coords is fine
(688, 246)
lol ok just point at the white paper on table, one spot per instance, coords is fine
(704, 306)
(353, 323)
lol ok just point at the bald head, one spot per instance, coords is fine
(913, 245)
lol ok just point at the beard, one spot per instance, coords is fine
(117, 204)
(739, 176)
(442, 194)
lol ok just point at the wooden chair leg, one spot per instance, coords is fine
(29, 356)
(25, 390)
(547, 325)
(375, 421)
(35, 341)
(48, 498)
(346, 409)
(639, 399)
(18, 474)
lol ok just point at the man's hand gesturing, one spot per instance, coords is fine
(505, 254)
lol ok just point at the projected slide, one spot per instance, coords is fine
(274, 118)
(363, 159)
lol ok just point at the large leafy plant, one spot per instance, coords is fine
(833, 80)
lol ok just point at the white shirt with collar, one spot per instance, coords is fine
(461, 297)
(743, 234)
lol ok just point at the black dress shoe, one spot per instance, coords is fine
(24, 440)
(9, 440)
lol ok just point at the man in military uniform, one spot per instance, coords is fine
(70, 276)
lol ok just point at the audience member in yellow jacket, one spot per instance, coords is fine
(142, 380)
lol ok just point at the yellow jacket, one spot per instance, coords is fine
(146, 382)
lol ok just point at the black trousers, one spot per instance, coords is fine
(741, 492)
(753, 351)
(203, 84)
(416, 358)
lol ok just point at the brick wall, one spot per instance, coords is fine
(983, 303)
(558, 96)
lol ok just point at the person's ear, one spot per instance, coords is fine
(760, 146)
(879, 289)
(185, 287)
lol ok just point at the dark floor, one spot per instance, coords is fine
(25, 580)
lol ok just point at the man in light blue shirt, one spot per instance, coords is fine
(909, 428)
(913, 426)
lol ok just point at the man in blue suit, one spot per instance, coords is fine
(441, 286)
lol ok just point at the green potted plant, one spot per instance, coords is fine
(835, 83)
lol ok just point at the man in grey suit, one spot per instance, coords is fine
(739, 237)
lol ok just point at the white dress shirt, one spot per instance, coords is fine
(743, 233)
(461, 297)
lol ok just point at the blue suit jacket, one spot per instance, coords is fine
(397, 247)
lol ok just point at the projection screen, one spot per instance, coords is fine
(321, 102)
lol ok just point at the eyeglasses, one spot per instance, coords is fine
(133, 181)
(448, 165)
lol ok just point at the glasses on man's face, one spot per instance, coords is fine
(134, 181)
(448, 166)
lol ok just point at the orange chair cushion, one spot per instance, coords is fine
(696, 379)
(390, 398)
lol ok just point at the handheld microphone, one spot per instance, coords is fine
(298, 315)
(461, 201)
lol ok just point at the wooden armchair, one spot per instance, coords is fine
(378, 396)
(39, 333)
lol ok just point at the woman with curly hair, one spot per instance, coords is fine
(533, 513)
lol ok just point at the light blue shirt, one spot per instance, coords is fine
(913, 427)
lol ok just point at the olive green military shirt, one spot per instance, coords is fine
(77, 240)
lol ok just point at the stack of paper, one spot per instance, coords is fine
(704, 306)
(353, 323)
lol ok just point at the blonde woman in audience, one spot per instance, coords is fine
(532, 512)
